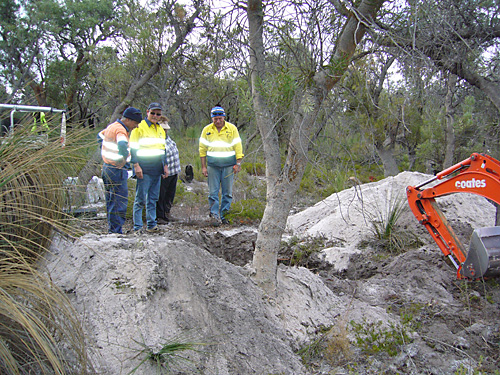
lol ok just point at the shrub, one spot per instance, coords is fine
(372, 338)
(246, 211)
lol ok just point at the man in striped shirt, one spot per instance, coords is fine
(116, 156)
(168, 185)
(221, 152)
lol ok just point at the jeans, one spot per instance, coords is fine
(220, 178)
(147, 192)
(115, 183)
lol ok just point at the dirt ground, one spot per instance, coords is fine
(437, 324)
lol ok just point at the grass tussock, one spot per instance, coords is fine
(39, 331)
(35, 318)
(388, 235)
(171, 356)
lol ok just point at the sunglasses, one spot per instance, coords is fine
(155, 114)
(215, 114)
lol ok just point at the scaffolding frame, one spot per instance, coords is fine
(31, 108)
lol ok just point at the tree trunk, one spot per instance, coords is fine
(450, 120)
(266, 247)
(283, 184)
(386, 154)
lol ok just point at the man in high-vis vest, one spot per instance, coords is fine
(116, 156)
(43, 122)
(147, 146)
(221, 152)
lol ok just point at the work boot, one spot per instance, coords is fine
(155, 229)
(135, 232)
(214, 220)
(163, 221)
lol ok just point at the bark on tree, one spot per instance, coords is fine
(386, 154)
(283, 183)
(385, 149)
(450, 121)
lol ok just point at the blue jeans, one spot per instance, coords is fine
(147, 192)
(115, 183)
(220, 178)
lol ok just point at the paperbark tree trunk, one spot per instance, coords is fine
(386, 155)
(283, 183)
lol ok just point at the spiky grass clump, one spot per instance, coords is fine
(36, 319)
(32, 195)
(384, 219)
(170, 356)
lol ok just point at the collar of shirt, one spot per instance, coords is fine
(214, 128)
(120, 121)
(150, 123)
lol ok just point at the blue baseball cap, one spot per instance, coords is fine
(217, 111)
(133, 114)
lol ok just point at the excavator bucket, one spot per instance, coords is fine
(483, 259)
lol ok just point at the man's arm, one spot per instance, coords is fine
(204, 165)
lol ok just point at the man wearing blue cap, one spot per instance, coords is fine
(221, 152)
(116, 156)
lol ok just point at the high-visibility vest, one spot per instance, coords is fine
(111, 136)
(221, 148)
(43, 122)
(147, 146)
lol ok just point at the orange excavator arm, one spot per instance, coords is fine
(479, 174)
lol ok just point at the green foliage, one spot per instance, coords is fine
(246, 211)
(257, 169)
(131, 184)
(170, 357)
(299, 250)
(373, 338)
(331, 344)
(463, 370)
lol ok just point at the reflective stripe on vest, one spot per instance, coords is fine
(146, 147)
(220, 149)
(109, 148)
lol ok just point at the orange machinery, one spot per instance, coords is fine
(479, 174)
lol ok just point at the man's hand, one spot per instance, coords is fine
(138, 171)
(204, 170)
(165, 171)
(236, 168)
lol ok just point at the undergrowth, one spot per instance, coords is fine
(373, 338)
(332, 345)
(298, 251)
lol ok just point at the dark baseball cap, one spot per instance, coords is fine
(154, 106)
(133, 114)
